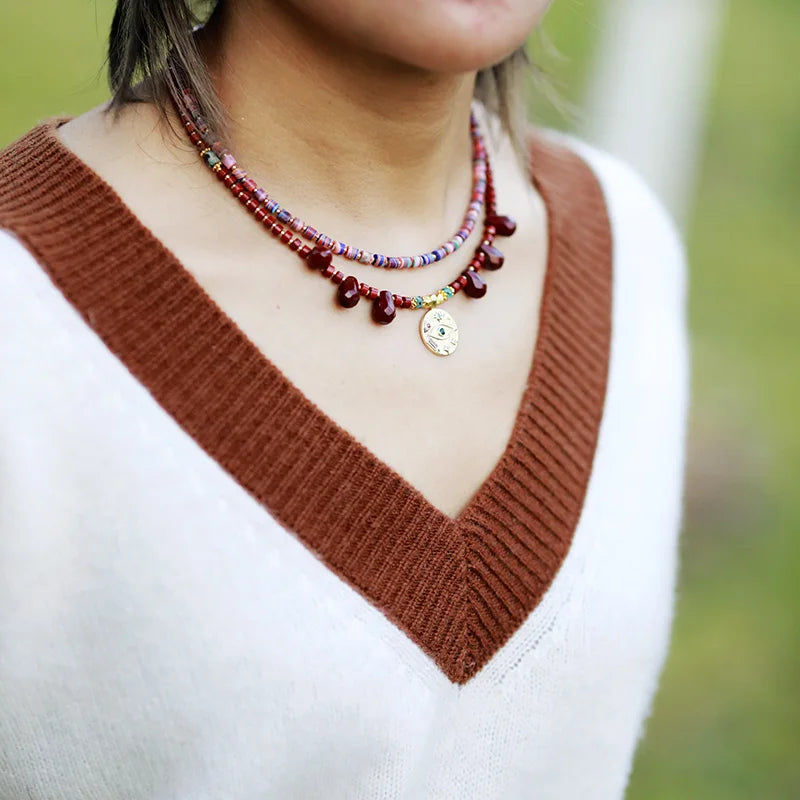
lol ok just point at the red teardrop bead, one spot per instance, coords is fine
(383, 308)
(505, 226)
(348, 292)
(475, 285)
(319, 258)
(493, 258)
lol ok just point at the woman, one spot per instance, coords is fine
(260, 537)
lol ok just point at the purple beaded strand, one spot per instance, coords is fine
(295, 224)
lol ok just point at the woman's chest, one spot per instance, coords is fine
(163, 631)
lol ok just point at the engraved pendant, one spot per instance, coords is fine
(439, 332)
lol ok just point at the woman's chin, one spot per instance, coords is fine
(459, 57)
(433, 35)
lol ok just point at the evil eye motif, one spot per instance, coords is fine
(439, 332)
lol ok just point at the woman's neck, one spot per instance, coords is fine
(359, 132)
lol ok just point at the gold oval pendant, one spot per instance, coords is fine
(439, 332)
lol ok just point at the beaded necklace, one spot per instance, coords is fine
(437, 328)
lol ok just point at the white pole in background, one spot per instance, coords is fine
(648, 89)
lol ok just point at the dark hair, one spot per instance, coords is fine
(144, 31)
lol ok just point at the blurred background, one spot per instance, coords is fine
(703, 97)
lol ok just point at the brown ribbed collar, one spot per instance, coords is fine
(458, 587)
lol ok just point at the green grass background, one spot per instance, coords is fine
(726, 722)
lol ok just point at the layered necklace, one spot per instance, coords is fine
(437, 328)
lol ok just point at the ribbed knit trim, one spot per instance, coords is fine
(458, 587)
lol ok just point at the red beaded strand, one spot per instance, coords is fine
(320, 258)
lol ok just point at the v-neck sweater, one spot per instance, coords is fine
(212, 589)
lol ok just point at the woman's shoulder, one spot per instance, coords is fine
(648, 248)
(37, 212)
(29, 306)
(635, 210)
(24, 289)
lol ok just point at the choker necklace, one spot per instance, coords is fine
(437, 328)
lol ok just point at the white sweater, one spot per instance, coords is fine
(164, 635)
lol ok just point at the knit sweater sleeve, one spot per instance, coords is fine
(651, 360)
